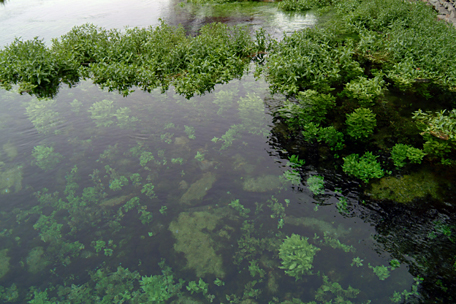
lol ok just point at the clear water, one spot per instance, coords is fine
(101, 151)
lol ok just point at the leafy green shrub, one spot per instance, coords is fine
(316, 184)
(297, 256)
(146, 58)
(364, 90)
(365, 167)
(401, 152)
(304, 60)
(311, 107)
(45, 157)
(438, 131)
(302, 5)
(361, 123)
(35, 68)
(333, 138)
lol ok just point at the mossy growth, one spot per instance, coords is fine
(406, 188)
(196, 244)
(297, 256)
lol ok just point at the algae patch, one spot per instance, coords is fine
(36, 262)
(407, 188)
(4, 262)
(263, 183)
(10, 150)
(197, 245)
(11, 178)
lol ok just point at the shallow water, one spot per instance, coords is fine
(92, 180)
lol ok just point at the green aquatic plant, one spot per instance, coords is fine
(190, 131)
(401, 152)
(230, 136)
(342, 205)
(124, 120)
(357, 261)
(118, 183)
(297, 256)
(293, 176)
(145, 158)
(295, 162)
(438, 131)
(365, 90)
(381, 271)
(163, 210)
(178, 160)
(76, 106)
(42, 115)
(335, 243)
(45, 157)
(361, 123)
(311, 106)
(365, 167)
(35, 68)
(302, 5)
(316, 184)
(239, 208)
(199, 156)
(327, 288)
(251, 112)
(255, 269)
(219, 282)
(102, 112)
(99, 245)
(224, 99)
(395, 264)
(200, 287)
(148, 189)
(136, 179)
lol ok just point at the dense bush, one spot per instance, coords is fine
(35, 68)
(146, 58)
(401, 152)
(361, 123)
(365, 167)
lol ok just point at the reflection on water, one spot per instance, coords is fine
(52, 18)
(92, 180)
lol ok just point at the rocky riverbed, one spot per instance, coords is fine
(446, 10)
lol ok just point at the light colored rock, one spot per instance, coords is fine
(198, 189)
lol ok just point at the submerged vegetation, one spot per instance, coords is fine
(180, 173)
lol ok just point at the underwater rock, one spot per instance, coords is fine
(198, 246)
(263, 183)
(10, 150)
(11, 178)
(408, 187)
(116, 201)
(240, 163)
(205, 165)
(183, 185)
(36, 261)
(316, 224)
(186, 300)
(198, 189)
(4, 262)
(181, 141)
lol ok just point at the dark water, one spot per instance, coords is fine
(156, 176)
